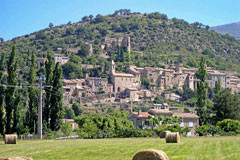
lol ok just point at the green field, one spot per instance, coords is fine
(205, 148)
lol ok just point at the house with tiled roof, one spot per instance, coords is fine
(189, 120)
(139, 118)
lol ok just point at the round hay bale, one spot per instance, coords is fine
(16, 158)
(10, 139)
(150, 154)
(173, 137)
(163, 134)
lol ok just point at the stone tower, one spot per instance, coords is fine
(128, 44)
(112, 67)
(179, 67)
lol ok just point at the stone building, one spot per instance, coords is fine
(189, 120)
(61, 58)
(73, 87)
(214, 75)
(113, 43)
(122, 81)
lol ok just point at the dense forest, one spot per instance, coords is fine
(155, 41)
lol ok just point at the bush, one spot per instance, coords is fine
(202, 130)
(53, 135)
(66, 129)
(172, 128)
(228, 125)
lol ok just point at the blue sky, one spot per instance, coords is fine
(20, 17)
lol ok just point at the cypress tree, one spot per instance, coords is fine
(202, 90)
(16, 113)
(12, 68)
(2, 96)
(32, 116)
(49, 76)
(56, 113)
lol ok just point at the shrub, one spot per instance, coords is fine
(202, 130)
(172, 128)
(66, 129)
(228, 125)
(53, 135)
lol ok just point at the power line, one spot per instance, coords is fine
(21, 86)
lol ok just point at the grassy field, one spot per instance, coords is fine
(204, 148)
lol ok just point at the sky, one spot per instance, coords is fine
(20, 17)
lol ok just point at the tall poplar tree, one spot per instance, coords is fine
(202, 90)
(16, 113)
(31, 115)
(56, 113)
(2, 96)
(49, 78)
(12, 68)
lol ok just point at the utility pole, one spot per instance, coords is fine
(40, 112)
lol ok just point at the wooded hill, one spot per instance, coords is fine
(155, 41)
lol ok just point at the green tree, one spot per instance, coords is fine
(77, 109)
(145, 82)
(66, 129)
(50, 25)
(218, 86)
(16, 114)
(12, 69)
(49, 78)
(68, 113)
(56, 113)
(226, 105)
(84, 51)
(202, 90)
(2, 97)
(31, 115)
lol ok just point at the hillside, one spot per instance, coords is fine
(232, 29)
(155, 41)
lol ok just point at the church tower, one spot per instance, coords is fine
(112, 67)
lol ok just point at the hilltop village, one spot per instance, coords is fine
(123, 91)
(128, 87)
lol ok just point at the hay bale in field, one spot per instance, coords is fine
(10, 139)
(150, 154)
(163, 134)
(16, 158)
(173, 137)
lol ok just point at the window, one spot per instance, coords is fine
(182, 124)
(190, 124)
(189, 134)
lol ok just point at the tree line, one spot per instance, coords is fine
(19, 100)
(221, 105)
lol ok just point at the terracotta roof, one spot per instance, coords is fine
(159, 111)
(168, 70)
(123, 75)
(133, 69)
(215, 72)
(189, 69)
(74, 80)
(186, 115)
(143, 114)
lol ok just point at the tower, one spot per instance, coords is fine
(112, 67)
(179, 67)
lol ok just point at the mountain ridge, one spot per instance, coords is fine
(232, 29)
